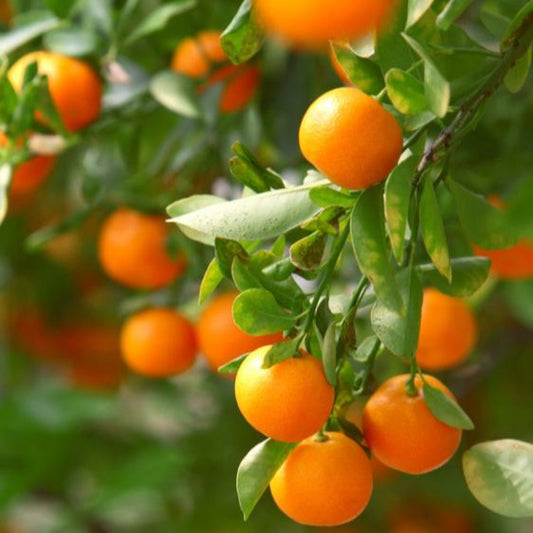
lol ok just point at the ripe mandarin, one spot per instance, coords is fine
(75, 88)
(312, 23)
(350, 138)
(203, 57)
(402, 432)
(515, 262)
(288, 401)
(132, 250)
(158, 342)
(448, 331)
(324, 482)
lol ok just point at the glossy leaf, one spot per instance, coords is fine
(213, 276)
(398, 331)
(451, 12)
(226, 251)
(483, 224)
(468, 276)
(405, 92)
(281, 352)
(255, 217)
(71, 41)
(370, 246)
(446, 409)
(257, 469)
(436, 88)
(364, 73)
(416, 9)
(500, 476)
(328, 197)
(256, 312)
(233, 366)
(397, 200)
(329, 354)
(432, 229)
(243, 38)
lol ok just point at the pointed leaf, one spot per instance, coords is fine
(256, 312)
(281, 352)
(243, 38)
(212, 278)
(432, 228)
(446, 409)
(370, 246)
(500, 476)
(176, 92)
(451, 12)
(397, 202)
(517, 76)
(416, 9)
(233, 366)
(405, 92)
(329, 354)
(257, 469)
(307, 253)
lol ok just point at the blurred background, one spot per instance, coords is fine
(85, 445)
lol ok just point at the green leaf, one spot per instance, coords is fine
(518, 20)
(281, 352)
(517, 76)
(35, 24)
(398, 331)
(446, 409)
(255, 217)
(243, 38)
(175, 92)
(257, 469)
(451, 12)
(416, 9)
(500, 476)
(405, 92)
(192, 203)
(307, 253)
(328, 197)
(436, 88)
(74, 42)
(483, 224)
(370, 246)
(361, 71)
(247, 169)
(397, 202)
(432, 228)
(468, 275)
(212, 278)
(61, 8)
(329, 354)
(159, 18)
(366, 349)
(226, 251)
(257, 312)
(233, 366)
(391, 50)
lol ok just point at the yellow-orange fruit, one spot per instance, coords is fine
(402, 432)
(132, 250)
(75, 88)
(312, 23)
(350, 138)
(448, 331)
(288, 401)
(324, 483)
(158, 343)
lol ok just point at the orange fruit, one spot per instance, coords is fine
(28, 176)
(158, 342)
(402, 432)
(75, 88)
(515, 262)
(324, 482)
(288, 401)
(5, 11)
(220, 339)
(203, 58)
(132, 250)
(312, 23)
(350, 138)
(448, 331)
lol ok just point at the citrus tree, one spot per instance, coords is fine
(347, 192)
